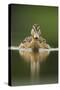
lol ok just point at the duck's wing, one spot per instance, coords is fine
(43, 43)
(27, 39)
(41, 39)
(26, 42)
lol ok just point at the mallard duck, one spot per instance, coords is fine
(34, 41)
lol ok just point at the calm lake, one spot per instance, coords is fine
(29, 68)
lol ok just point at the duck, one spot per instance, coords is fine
(35, 40)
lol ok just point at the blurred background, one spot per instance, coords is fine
(24, 16)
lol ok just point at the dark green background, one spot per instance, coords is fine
(24, 16)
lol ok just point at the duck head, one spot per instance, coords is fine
(35, 32)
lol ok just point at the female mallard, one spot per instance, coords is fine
(34, 41)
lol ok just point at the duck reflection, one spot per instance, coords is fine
(35, 59)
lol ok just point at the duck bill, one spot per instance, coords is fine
(36, 36)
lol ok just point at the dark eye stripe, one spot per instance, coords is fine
(36, 27)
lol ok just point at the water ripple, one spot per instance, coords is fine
(29, 49)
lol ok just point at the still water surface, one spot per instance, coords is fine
(29, 67)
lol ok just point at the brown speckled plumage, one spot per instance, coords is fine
(35, 40)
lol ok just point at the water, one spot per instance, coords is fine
(28, 68)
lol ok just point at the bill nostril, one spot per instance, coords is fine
(36, 37)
